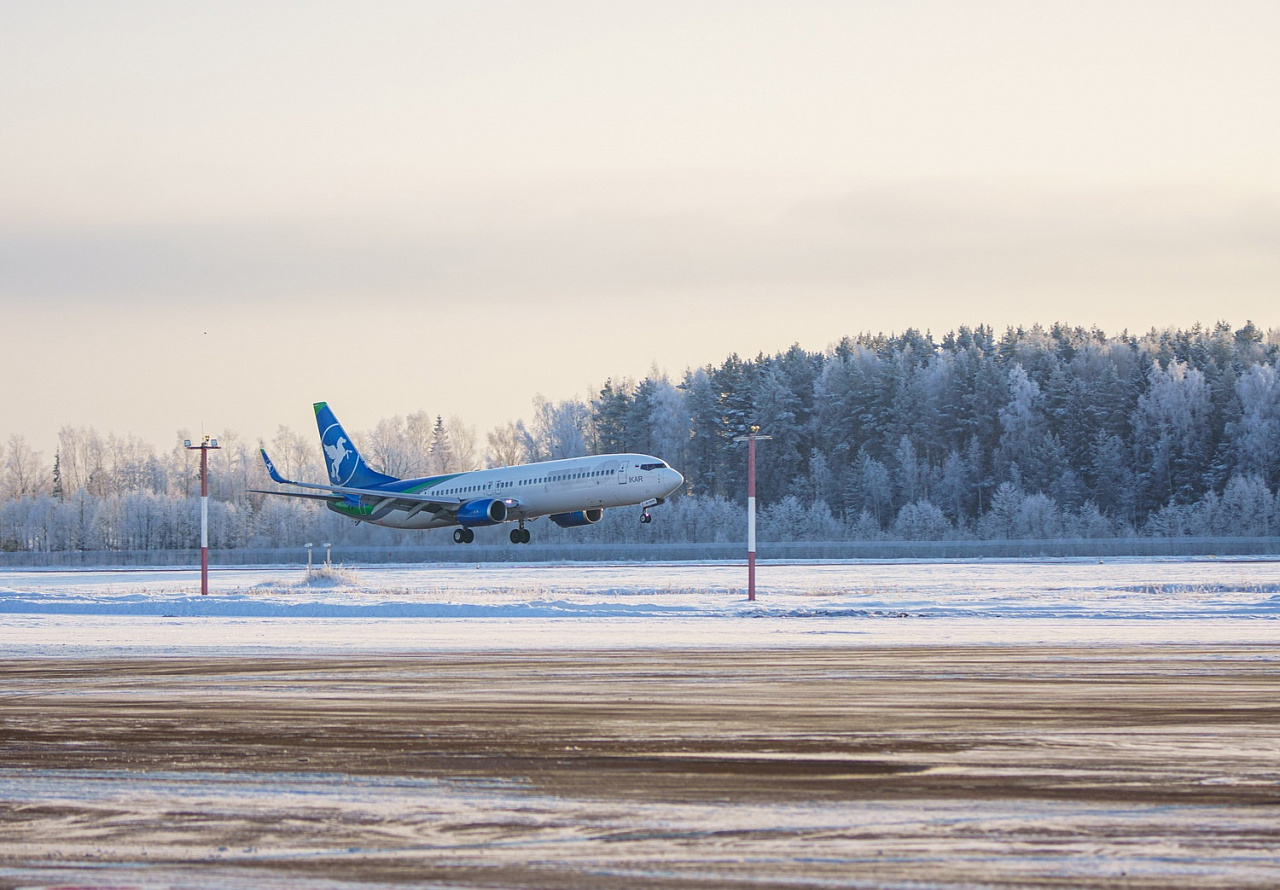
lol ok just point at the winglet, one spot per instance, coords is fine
(271, 469)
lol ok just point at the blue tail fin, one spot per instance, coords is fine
(344, 463)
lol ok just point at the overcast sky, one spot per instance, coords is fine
(213, 214)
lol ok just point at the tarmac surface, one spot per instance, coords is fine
(981, 766)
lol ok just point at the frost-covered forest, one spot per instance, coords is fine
(1039, 433)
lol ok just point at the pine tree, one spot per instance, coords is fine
(57, 476)
(609, 417)
(442, 456)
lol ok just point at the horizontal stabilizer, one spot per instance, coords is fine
(293, 494)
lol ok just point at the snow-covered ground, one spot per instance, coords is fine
(537, 606)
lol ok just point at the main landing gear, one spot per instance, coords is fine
(466, 536)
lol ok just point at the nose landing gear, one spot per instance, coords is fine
(644, 509)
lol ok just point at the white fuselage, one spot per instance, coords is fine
(542, 489)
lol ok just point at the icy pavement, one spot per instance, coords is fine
(489, 831)
(829, 767)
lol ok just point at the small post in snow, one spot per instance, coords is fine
(204, 448)
(751, 507)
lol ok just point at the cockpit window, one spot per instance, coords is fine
(657, 466)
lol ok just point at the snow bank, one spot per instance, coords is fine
(399, 608)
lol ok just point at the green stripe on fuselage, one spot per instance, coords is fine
(360, 511)
(432, 483)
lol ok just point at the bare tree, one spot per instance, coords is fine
(293, 454)
(24, 476)
(384, 447)
(558, 430)
(505, 446)
(418, 428)
(181, 468)
(401, 446)
(462, 437)
(80, 455)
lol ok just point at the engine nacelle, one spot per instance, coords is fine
(484, 512)
(581, 517)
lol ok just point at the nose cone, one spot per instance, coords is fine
(674, 480)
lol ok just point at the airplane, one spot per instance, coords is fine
(572, 492)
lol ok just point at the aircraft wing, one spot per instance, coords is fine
(381, 501)
(339, 492)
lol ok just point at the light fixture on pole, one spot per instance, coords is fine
(204, 448)
(751, 507)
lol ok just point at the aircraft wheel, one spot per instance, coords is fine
(468, 535)
(516, 536)
(459, 536)
(646, 518)
(525, 536)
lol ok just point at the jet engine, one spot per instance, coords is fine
(489, 511)
(580, 517)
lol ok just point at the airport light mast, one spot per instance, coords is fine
(751, 507)
(204, 448)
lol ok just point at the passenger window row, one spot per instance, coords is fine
(466, 489)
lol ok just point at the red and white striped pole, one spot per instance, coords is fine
(204, 448)
(751, 509)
